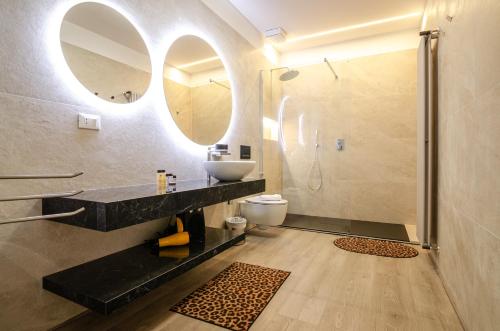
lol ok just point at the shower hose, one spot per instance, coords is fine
(314, 166)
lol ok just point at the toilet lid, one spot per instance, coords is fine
(258, 200)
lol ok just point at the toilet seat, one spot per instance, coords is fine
(257, 200)
(264, 211)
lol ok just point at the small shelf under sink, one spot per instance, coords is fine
(115, 280)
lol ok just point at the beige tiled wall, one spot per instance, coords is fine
(469, 157)
(38, 134)
(372, 106)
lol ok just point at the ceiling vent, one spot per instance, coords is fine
(275, 35)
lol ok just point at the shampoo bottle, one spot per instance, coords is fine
(161, 181)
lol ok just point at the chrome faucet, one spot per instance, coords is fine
(214, 153)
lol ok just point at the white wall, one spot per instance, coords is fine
(39, 103)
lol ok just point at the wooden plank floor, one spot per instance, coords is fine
(328, 289)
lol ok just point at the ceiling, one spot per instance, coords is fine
(303, 17)
(298, 18)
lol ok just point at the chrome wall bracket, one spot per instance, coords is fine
(434, 34)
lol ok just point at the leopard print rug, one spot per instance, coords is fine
(235, 297)
(375, 247)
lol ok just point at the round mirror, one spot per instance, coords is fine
(105, 52)
(197, 90)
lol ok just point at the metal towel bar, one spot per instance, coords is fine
(41, 196)
(41, 217)
(76, 174)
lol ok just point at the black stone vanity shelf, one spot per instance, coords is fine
(113, 281)
(119, 207)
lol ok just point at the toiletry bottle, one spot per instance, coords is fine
(161, 182)
(172, 180)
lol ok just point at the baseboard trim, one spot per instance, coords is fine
(447, 290)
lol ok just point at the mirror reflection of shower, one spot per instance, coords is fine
(131, 96)
(212, 81)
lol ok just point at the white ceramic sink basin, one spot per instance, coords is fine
(228, 170)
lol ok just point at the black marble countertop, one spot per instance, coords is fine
(112, 281)
(114, 208)
(125, 193)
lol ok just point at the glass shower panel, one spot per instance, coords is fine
(315, 115)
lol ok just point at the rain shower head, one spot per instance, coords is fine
(290, 74)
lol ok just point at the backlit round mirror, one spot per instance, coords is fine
(105, 52)
(197, 90)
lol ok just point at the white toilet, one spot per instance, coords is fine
(264, 210)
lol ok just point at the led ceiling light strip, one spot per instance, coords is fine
(352, 27)
(190, 64)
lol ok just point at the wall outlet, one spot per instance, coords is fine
(89, 121)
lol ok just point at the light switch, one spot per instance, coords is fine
(89, 121)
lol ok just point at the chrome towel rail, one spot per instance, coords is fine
(76, 174)
(41, 217)
(41, 196)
